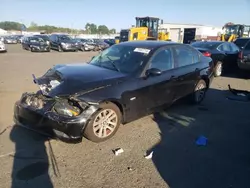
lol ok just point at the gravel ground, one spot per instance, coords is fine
(27, 160)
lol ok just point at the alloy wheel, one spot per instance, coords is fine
(105, 123)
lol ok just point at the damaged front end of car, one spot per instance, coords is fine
(65, 117)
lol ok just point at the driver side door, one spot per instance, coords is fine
(157, 90)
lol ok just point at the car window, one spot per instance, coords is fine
(184, 56)
(247, 46)
(196, 56)
(125, 59)
(52, 38)
(225, 47)
(241, 42)
(162, 60)
(234, 47)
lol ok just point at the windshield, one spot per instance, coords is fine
(65, 37)
(44, 37)
(125, 59)
(208, 45)
(232, 29)
(36, 39)
(241, 42)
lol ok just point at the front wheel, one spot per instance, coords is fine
(104, 124)
(199, 92)
(60, 49)
(218, 69)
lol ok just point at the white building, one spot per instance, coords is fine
(185, 32)
(3, 32)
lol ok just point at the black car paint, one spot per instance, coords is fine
(241, 42)
(244, 59)
(136, 94)
(228, 58)
(37, 46)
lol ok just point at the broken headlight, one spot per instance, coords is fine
(63, 107)
(33, 101)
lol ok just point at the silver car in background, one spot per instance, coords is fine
(10, 40)
(2, 47)
(84, 44)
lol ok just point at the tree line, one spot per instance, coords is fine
(90, 28)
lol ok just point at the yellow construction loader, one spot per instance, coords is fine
(117, 39)
(147, 28)
(233, 31)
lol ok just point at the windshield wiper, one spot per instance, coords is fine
(113, 63)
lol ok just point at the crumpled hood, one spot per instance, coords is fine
(77, 78)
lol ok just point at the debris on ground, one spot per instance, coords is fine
(8, 127)
(201, 141)
(118, 151)
(130, 169)
(149, 156)
(239, 95)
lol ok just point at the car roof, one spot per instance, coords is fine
(244, 38)
(212, 41)
(148, 44)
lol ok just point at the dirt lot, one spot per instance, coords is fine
(28, 160)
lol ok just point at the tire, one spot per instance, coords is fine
(218, 69)
(199, 92)
(60, 49)
(92, 135)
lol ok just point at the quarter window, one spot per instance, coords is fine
(234, 47)
(224, 47)
(184, 56)
(163, 60)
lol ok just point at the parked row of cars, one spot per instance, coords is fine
(62, 42)
(227, 56)
(11, 39)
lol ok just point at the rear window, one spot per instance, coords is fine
(247, 46)
(208, 45)
(241, 42)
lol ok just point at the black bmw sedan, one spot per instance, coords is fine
(35, 44)
(224, 54)
(121, 84)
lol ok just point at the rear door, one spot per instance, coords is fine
(234, 54)
(186, 70)
(226, 49)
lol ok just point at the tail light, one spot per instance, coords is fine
(207, 54)
(240, 55)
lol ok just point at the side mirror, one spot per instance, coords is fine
(153, 72)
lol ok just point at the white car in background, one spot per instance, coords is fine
(2, 47)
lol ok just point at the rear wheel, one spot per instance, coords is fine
(103, 124)
(218, 69)
(199, 92)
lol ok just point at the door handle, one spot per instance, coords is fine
(173, 78)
